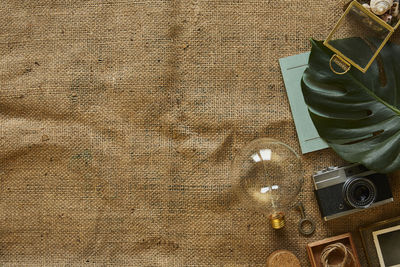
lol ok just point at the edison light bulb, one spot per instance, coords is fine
(269, 177)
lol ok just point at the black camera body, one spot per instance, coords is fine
(344, 190)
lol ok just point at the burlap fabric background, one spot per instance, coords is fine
(119, 121)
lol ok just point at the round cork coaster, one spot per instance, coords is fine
(282, 258)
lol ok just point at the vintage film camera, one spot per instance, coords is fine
(344, 190)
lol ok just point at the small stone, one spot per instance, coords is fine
(366, 6)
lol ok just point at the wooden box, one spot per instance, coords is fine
(314, 249)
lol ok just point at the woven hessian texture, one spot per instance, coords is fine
(119, 121)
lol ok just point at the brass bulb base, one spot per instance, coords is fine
(277, 220)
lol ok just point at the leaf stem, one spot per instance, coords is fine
(377, 98)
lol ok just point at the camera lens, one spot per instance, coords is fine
(359, 192)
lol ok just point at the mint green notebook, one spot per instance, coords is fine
(292, 70)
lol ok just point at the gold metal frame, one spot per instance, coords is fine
(343, 61)
(372, 16)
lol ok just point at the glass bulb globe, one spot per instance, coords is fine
(269, 177)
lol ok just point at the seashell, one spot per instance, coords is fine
(395, 9)
(387, 18)
(379, 7)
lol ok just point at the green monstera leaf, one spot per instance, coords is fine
(357, 106)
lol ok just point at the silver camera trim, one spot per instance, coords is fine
(334, 175)
(347, 212)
